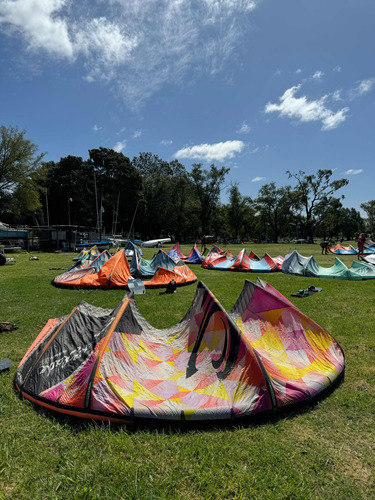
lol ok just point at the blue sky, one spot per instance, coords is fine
(260, 86)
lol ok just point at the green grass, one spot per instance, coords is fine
(325, 451)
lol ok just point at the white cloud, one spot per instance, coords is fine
(336, 96)
(332, 120)
(337, 69)
(96, 128)
(258, 179)
(137, 134)
(244, 129)
(318, 75)
(212, 152)
(37, 21)
(303, 110)
(166, 142)
(298, 71)
(363, 87)
(134, 46)
(119, 146)
(105, 48)
(353, 171)
(255, 150)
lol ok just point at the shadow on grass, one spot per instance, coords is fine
(152, 426)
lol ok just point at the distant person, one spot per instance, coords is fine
(361, 242)
(203, 245)
(325, 245)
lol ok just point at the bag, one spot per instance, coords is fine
(171, 287)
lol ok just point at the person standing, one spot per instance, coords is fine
(203, 244)
(361, 242)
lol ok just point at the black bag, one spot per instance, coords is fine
(171, 287)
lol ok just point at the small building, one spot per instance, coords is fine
(64, 238)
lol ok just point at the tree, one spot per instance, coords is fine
(352, 223)
(332, 224)
(314, 193)
(238, 211)
(119, 187)
(207, 187)
(25, 203)
(70, 192)
(369, 208)
(18, 160)
(180, 200)
(275, 206)
(154, 215)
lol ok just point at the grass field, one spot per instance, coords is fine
(326, 451)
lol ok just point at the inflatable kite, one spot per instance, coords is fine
(112, 365)
(225, 261)
(341, 250)
(115, 271)
(194, 257)
(297, 264)
(84, 254)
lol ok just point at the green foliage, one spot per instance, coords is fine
(340, 222)
(240, 214)
(19, 158)
(207, 187)
(25, 201)
(152, 197)
(165, 190)
(70, 179)
(313, 194)
(119, 187)
(276, 207)
(369, 208)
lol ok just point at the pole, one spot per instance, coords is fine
(97, 208)
(47, 207)
(118, 206)
(101, 218)
(135, 211)
(69, 200)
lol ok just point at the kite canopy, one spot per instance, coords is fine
(242, 262)
(215, 255)
(369, 247)
(131, 248)
(297, 264)
(194, 257)
(370, 259)
(176, 250)
(91, 253)
(92, 260)
(113, 365)
(340, 250)
(115, 272)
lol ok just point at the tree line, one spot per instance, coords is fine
(148, 197)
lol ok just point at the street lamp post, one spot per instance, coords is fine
(69, 201)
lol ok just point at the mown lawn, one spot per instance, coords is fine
(326, 451)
